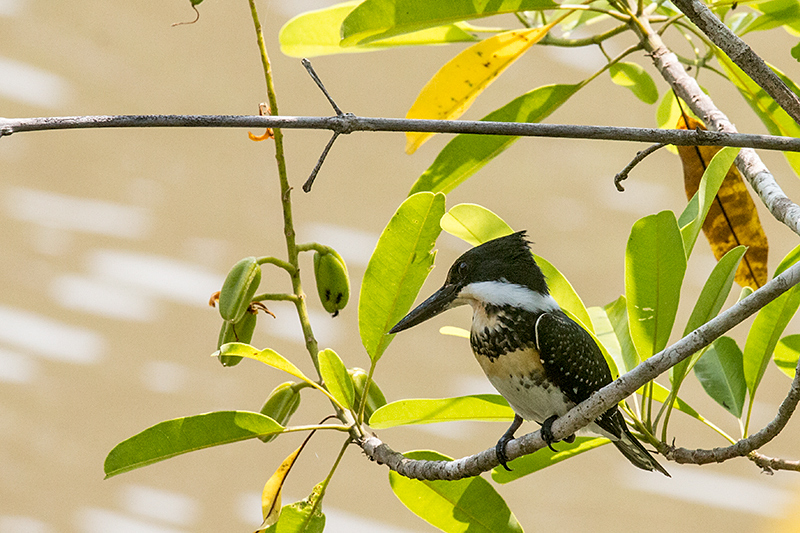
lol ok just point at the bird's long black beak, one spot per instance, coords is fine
(440, 301)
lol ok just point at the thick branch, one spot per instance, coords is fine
(748, 162)
(741, 54)
(749, 445)
(348, 123)
(600, 401)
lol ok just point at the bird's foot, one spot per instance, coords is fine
(508, 436)
(547, 432)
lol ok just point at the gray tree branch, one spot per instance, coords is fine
(349, 123)
(741, 54)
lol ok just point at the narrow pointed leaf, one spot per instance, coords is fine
(266, 356)
(187, 434)
(458, 83)
(317, 33)
(466, 154)
(470, 504)
(402, 260)
(721, 374)
(528, 464)
(485, 407)
(777, 121)
(305, 516)
(476, 225)
(373, 20)
(335, 377)
(786, 353)
(605, 334)
(617, 312)
(710, 182)
(635, 78)
(271, 495)
(768, 327)
(732, 218)
(654, 267)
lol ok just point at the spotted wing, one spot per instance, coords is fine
(574, 362)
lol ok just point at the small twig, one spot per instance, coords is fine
(196, 18)
(640, 155)
(310, 181)
(313, 74)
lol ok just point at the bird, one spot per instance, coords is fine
(538, 358)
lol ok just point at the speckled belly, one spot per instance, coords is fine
(519, 377)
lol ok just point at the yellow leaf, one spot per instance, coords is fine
(271, 495)
(732, 219)
(456, 85)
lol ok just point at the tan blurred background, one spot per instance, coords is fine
(113, 240)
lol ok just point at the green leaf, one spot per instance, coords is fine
(317, 33)
(402, 260)
(454, 506)
(712, 178)
(721, 374)
(776, 13)
(634, 77)
(485, 407)
(777, 121)
(374, 20)
(187, 434)
(465, 154)
(604, 333)
(304, 516)
(768, 326)
(334, 375)
(617, 312)
(712, 298)
(266, 356)
(786, 354)
(654, 267)
(528, 464)
(796, 51)
(477, 225)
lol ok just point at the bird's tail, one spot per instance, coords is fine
(636, 453)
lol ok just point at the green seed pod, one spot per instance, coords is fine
(238, 290)
(333, 283)
(375, 397)
(241, 331)
(281, 404)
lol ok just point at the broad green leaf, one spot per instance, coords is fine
(305, 516)
(721, 374)
(187, 434)
(709, 185)
(654, 267)
(777, 121)
(334, 375)
(634, 77)
(528, 464)
(476, 225)
(486, 407)
(796, 51)
(463, 505)
(786, 353)
(768, 327)
(456, 85)
(776, 13)
(466, 154)
(266, 356)
(317, 33)
(617, 312)
(379, 19)
(399, 265)
(711, 299)
(605, 334)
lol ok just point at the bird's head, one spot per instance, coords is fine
(500, 272)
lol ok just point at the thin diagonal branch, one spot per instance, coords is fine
(598, 402)
(741, 54)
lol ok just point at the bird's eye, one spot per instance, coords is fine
(462, 267)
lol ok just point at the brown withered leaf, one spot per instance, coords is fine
(732, 219)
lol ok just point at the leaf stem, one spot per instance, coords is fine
(288, 267)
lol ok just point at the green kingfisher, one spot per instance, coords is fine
(540, 360)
